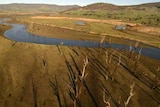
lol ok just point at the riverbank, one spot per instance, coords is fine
(27, 69)
(72, 34)
(93, 29)
(4, 28)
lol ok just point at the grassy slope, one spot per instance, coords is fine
(33, 8)
(22, 63)
(147, 14)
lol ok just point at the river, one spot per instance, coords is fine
(19, 33)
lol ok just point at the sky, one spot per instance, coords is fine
(80, 2)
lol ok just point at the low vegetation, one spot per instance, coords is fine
(93, 30)
(33, 8)
(42, 75)
(146, 14)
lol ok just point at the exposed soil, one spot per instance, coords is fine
(27, 69)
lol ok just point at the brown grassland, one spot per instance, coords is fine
(37, 75)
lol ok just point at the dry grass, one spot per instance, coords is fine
(27, 68)
(93, 31)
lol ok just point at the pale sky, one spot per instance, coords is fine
(79, 2)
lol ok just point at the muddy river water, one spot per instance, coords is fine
(19, 33)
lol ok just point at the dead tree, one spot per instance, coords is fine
(130, 51)
(85, 63)
(55, 88)
(110, 58)
(116, 67)
(156, 81)
(74, 89)
(137, 58)
(34, 89)
(44, 62)
(107, 58)
(107, 103)
(107, 62)
(131, 94)
(139, 54)
(59, 49)
(101, 41)
(119, 60)
(76, 82)
(137, 44)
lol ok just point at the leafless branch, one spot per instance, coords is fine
(84, 68)
(136, 45)
(130, 48)
(104, 100)
(55, 88)
(110, 59)
(107, 58)
(132, 93)
(119, 60)
(139, 54)
(102, 39)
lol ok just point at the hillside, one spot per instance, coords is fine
(157, 4)
(147, 14)
(101, 6)
(34, 8)
(107, 6)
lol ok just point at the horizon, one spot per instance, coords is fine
(88, 2)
